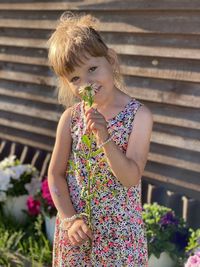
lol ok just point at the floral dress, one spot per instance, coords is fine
(118, 230)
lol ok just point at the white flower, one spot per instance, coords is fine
(83, 90)
(4, 180)
(11, 169)
(7, 162)
(17, 171)
(33, 186)
(31, 169)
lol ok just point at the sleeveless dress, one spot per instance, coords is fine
(118, 230)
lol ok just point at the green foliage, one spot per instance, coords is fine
(85, 139)
(24, 245)
(194, 241)
(18, 188)
(165, 232)
(87, 95)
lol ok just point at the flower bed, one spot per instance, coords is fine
(166, 232)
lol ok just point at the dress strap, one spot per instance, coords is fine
(131, 112)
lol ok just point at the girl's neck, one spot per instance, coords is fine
(113, 104)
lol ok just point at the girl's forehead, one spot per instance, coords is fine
(88, 61)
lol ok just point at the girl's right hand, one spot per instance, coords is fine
(79, 232)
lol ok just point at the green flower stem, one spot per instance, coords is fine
(88, 192)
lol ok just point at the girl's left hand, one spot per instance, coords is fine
(97, 124)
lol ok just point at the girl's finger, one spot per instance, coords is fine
(98, 121)
(82, 235)
(91, 110)
(77, 237)
(87, 231)
(94, 117)
(96, 126)
(72, 240)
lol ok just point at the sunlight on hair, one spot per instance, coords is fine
(74, 39)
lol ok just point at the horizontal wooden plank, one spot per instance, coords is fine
(158, 158)
(50, 133)
(164, 119)
(182, 122)
(24, 59)
(169, 74)
(176, 141)
(169, 180)
(172, 161)
(140, 23)
(32, 112)
(123, 49)
(23, 42)
(27, 127)
(108, 6)
(155, 51)
(142, 93)
(29, 78)
(157, 137)
(25, 141)
(28, 96)
(172, 98)
(28, 24)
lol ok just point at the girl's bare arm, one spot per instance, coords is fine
(78, 232)
(57, 168)
(129, 167)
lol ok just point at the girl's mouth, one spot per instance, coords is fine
(96, 88)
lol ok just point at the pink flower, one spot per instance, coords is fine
(138, 208)
(96, 201)
(33, 206)
(130, 259)
(128, 244)
(106, 249)
(129, 193)
(193, 261)
(110, 182)
(46, 193)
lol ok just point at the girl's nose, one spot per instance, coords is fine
(87, 80)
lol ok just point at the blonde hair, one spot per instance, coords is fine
(74, 39)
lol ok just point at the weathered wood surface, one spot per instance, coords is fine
(158, 43)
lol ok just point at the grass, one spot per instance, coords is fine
(24, 245)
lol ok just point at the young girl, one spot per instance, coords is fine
(122, 127)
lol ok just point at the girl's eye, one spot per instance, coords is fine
(92, 69)
(74, 79)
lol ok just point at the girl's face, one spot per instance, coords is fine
(97, 71)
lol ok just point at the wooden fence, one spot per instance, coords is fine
(158, 43)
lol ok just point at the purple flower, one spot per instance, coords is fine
(181, 238)
(168, 219)
(33, 206)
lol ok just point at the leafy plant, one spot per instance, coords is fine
(24, 245)
(165, 231)
(194, 242)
